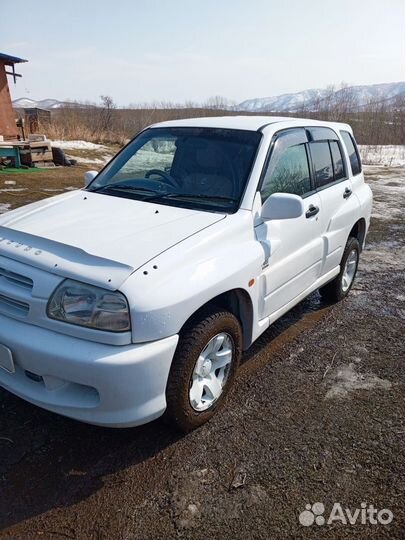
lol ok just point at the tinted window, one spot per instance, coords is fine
(337, 159)
(322, 162)
(288, 172)
(352, 151)
(321, 134)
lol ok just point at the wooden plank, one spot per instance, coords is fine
(14, 144)
(42, 156)
(36, 137)
(40, 150)
(41, 144)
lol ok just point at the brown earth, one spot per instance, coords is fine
(317, 415)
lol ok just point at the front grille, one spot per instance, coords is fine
(15, 292)
(16, 279)
(10, 306)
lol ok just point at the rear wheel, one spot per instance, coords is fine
(203, 369)
(337, 289)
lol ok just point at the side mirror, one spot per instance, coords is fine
(89, 176)
(282, 206)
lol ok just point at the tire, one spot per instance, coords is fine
(217, 329)
(339, 288)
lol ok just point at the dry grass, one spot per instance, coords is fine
(93, 125)
(379, 123)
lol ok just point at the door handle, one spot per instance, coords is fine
(347, 193)
(312, 211)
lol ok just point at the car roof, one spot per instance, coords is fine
(248, 122)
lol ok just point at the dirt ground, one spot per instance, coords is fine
(317, 415)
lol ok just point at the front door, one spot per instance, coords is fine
(293, 247)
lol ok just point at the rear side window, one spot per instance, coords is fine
(353, 152)
(322, 162)
(337, 159)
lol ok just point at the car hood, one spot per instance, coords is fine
(78, 232)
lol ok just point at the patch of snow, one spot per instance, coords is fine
(78, 145)
(10, 182)
(92, 161)
(4, 207)
(346, 380)
(388, 155)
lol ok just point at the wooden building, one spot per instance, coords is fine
(8, 128)
(36, 117)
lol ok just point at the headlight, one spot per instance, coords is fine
(77, 303)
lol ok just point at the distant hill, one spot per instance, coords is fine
(26, 103)
(360, 96)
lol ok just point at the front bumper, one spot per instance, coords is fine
(108, 385)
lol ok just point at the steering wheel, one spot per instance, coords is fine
(166, 176)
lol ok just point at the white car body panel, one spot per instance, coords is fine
(96, 383)
(294, 261)
(104, 228)
(335, 218)
(168, 262)
(205, 266)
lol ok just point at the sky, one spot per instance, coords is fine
(141, 51)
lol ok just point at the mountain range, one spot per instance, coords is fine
(311, 99)
(360, 96)
(27, 103)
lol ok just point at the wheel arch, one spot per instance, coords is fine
(358, 231)
(236, 301)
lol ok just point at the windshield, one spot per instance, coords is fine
(203, 168)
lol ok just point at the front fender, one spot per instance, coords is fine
(166, 291)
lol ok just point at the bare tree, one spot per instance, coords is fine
(106, 113)
(380, 121)
(217, 102)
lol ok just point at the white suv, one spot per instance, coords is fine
(136, 296)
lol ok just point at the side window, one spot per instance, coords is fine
(322, 162)
(288, 172)
(337, 159)
(352, 151)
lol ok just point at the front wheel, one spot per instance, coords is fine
(203, 369)
(337, 289)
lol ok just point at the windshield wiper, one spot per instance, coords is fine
(123, 187)
(156, 196)
(173, 195)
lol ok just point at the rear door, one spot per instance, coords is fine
(339, 205)
(293, 247)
